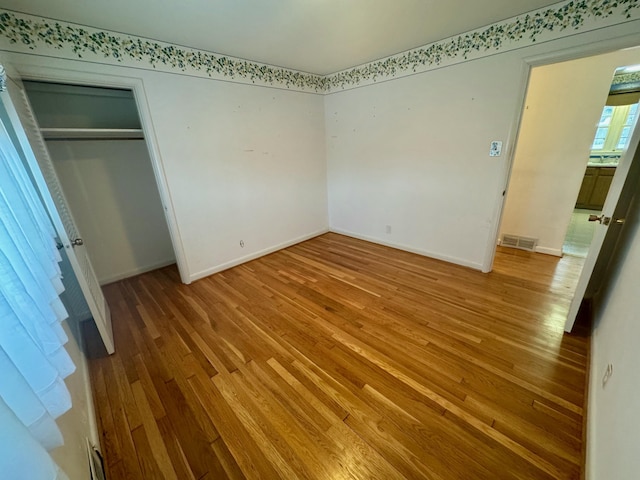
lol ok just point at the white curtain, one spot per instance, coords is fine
(33, 361)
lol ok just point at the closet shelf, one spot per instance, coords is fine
(92, 133)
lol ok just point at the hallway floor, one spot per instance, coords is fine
(580, 233)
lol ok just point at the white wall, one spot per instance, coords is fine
(113, 196)
(614, 416)
(241, 162)
(412, 153)
(563, 105)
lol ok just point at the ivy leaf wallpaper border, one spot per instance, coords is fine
(622, 78)
(32, 32)
(531, 26)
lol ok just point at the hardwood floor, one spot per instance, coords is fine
(339, 359)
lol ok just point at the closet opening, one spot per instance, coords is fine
(96, 143)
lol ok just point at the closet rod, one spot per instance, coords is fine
(92, 133)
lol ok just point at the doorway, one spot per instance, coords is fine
(556, 140)
(96, 143)
(553, 162)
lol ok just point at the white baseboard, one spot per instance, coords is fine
(136, 271)
(406, 248)
(253, 256)
(557, 252)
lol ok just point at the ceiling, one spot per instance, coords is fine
(315, 36)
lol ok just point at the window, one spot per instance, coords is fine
(614, 128)
(626, 129)
(603, 128)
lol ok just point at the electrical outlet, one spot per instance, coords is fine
(607, 374)
(242, 243)
(387, 229)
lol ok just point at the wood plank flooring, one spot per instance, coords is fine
(341, 359)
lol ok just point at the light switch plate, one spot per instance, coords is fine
(496, 148)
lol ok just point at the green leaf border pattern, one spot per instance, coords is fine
(569, 15)
(32, 32)
(623, 78)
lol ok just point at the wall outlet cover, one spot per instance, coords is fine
(496, 148)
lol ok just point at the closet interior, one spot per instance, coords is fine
(97, 146)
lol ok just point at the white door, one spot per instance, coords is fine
(610, 222)
(26, 127)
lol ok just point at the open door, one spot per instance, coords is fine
(610, 222)
(26, 127)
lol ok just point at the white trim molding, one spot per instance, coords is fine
(556, 252)
(406, 248)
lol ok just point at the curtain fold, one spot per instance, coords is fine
(33, 360)
(30, 461)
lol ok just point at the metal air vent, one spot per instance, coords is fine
(523, 243)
